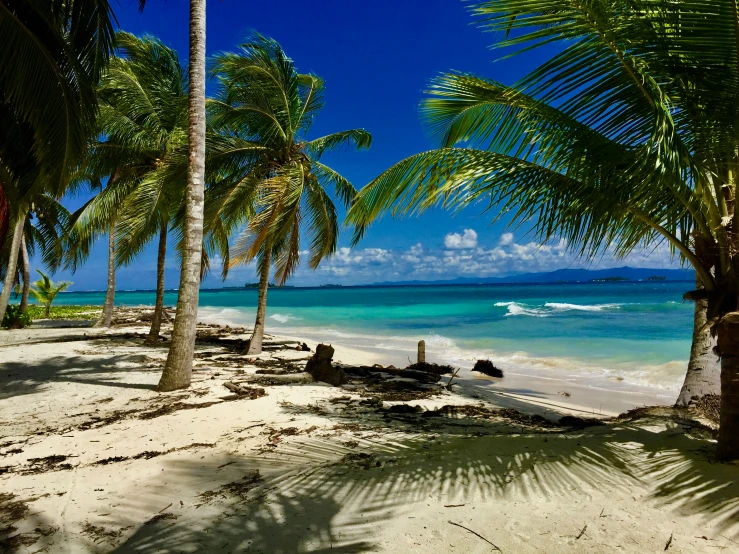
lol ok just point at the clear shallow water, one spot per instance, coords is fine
(639, 332)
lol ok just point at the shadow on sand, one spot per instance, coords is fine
(319, 495)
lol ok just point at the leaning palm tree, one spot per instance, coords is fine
(45, 290)
(43, 227)
(268, 171)
(627, 136)
(143, 115)
(178, 368)
(53, 53)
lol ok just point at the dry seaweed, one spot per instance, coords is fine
(160, 517)
(486, 367)
(238, 489)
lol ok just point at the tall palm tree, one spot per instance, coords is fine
(627, 136)
(178, 368)
(143, 116)
(268, 171)
(53, 54)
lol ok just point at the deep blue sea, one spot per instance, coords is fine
(636, 331)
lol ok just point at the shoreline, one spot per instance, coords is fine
(587, 393)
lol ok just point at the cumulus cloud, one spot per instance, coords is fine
(455, 241)
(460, 255)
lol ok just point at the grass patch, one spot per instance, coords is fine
(65, 312)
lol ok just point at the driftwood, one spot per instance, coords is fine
(364, 371)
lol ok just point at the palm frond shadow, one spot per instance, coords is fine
(320, 495)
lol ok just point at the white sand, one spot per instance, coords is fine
(338, 480)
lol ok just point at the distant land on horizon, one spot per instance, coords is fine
(629, 274)
(625, 274)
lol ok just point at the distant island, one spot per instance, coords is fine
(609, 279)
(256, 286)
(616, 274)
(330, 286)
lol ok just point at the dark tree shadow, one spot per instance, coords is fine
(318, 495)
(19, 378)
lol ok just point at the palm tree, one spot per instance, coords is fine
(143, 114)
(53, 54)
(51, 219)
(267, 171)
(178, 368)
(45, 290)
(627, 136)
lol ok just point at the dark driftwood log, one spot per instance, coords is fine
(364, 371)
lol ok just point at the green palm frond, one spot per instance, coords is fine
(264, 175)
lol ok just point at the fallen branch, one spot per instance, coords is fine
(669, 542)
(581, 532)
(477, 535)
(160, 511)
(454, 505)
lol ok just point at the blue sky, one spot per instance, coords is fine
(376, 59)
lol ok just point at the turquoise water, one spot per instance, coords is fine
(637, 331)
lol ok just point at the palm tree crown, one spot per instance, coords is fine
(265, 172)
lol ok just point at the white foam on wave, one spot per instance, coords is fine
(514, 308)
(284, 318)
(581, 307)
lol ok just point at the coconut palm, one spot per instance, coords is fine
(269, 172)
(45, 290)
(178, 368)
(53, 53)
(627, 136)
(42, 228)
(143, 114)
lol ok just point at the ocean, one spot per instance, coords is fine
(638, 333)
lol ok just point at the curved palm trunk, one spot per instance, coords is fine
(728, 344)
(704, 371)
(10, 271)
(156, 322)
(255, 343)
(178, 369)
(106, 319)
(26, 275)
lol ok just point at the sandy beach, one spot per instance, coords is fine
(94, 460)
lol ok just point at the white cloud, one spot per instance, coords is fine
(461, 255)
(455, 241)
(506, 239)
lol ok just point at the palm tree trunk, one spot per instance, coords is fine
(10, 271)
(255, 343)
(178, 369)
(26, 275)
(156, 322)
(704, 371)
(106, 319)
(728, 344)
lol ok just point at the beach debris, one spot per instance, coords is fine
(669, 542)
(302, 347)
(405, 409)
(449, 384)
(239, 488)
(477, 535)
(421, 356)
(160, 517)
(433, 369)
(564, 393)
(243, 390)
(321, 368)
(582, 532)
(486, 367)
(576, 422)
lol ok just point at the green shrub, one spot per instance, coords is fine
(15, 319)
